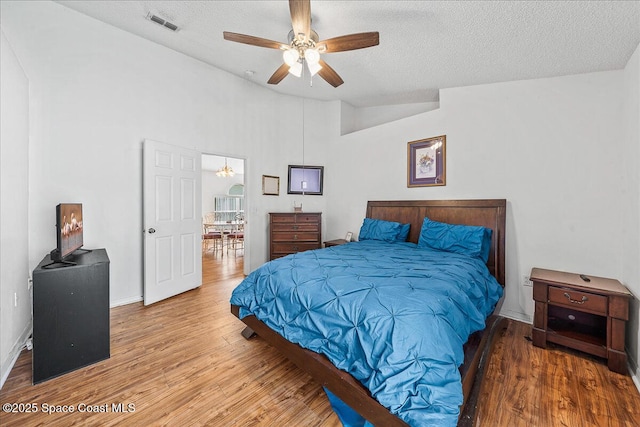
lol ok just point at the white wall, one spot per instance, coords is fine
(15, 302)
(552, 147)
(631, 206)
(97, 92)
(354, 119)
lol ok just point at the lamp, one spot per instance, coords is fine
(225, 171)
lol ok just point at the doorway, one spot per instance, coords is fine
(223, 209)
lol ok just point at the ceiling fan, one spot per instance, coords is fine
(304, 46)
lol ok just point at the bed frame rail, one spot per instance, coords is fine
(343, 385)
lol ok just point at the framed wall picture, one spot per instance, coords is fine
(305, 180)
(426, 162)
(270, 185)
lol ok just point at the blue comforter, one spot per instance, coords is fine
(393, 315)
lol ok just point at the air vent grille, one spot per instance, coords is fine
(170, 26)
(164, 23)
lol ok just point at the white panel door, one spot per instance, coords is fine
(172, 182)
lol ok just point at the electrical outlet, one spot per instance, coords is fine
(526, 281)
(15, 299)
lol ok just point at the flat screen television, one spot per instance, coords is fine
(305, 180)
(68, 230)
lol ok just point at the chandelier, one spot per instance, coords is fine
(225, 171)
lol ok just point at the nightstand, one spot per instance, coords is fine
(335, 242)
(586, 313)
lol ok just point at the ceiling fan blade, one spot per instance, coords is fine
(280, 74)
(349, 42)
(254, 41)
(329, 74)
(300, 17)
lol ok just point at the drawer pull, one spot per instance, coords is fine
(575, 301)
(295, 227)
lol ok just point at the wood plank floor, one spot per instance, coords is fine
(183, 362)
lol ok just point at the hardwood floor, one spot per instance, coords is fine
(557, 386)
(179, 362)
(183, 362)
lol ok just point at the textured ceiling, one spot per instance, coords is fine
(424, 46)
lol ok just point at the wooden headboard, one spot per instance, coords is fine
(490, 213)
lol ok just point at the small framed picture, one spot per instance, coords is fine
(271, 185)
(426, 162)
(349, 236)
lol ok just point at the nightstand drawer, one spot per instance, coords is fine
(578, 300)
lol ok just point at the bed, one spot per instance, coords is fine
(345, 386)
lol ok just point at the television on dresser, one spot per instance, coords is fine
(69, 230)
(305, 180)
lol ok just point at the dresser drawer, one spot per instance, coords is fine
(287, 218)
(293, 227)
(578, 300)
(295, 237)
(300, 218)
(307, 218)
(281, 249)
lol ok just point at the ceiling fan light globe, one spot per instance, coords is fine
(296, 69)
(290, 56)
(312, 56)
(314, 68)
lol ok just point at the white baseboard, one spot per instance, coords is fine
(14, 353)
(516, 315)
(125, 301)
(634, 371)
(635, 376)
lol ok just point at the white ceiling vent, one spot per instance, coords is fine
(164, 23)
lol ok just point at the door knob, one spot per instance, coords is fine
(152, 230)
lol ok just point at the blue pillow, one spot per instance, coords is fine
(471, 240)
(388, 231)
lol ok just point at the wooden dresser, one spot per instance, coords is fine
(291, 232)
(586, 313)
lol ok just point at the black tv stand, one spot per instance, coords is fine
(70, 315)
(59, 262)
